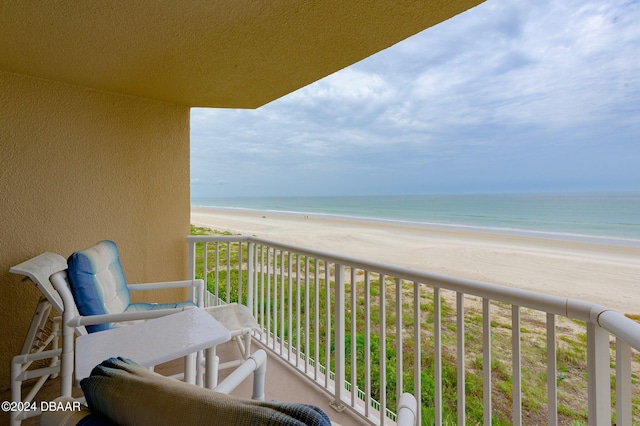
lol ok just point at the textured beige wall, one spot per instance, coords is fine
(78, 166)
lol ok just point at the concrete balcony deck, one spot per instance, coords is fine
(283, 383)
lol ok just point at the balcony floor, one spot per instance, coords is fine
(282, 384)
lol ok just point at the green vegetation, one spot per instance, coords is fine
(291, 278)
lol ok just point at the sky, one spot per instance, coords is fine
(510, 96)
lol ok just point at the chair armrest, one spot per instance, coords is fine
(198, 286)
(165, 284)
(125, 316)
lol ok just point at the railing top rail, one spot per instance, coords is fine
(216, 238)
(621, 326)
(609, 319)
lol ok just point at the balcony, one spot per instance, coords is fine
(469, 351)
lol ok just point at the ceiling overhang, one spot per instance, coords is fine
(229, 54)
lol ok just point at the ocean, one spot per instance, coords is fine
(610, 218)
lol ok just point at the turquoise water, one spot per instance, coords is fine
(612, 218)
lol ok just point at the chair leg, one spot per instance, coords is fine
(33, 349)
(190, 368)
(211, 368)
(247, 345)
(243, 341)
(259, 375)
(16, 390)
(19, 373)
(200, 360)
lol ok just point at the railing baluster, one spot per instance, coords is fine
(290, 306)
(599, 381)
(354, 334)
(283, 338)
(316, 323)
(307, 297)
(216, 278)
(339, 311)
(383, 349)
(437, 355)
(516, 373)
(263, 272)
(460, 355)
(327, 303)
(274, 314)
(205, 274)
(486, 359)
(623, 383)
(269, 277)
(251, 270)
(274, 299)
(417, 349)
(298, 301)
(367, 344)
(192, 262)
(399, 338)
(228, 293)
(240, 280)
(552, 372)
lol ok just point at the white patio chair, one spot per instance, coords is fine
(96, 296)
(98, 286)
(41, 343)
(97, 283)
(241, 324)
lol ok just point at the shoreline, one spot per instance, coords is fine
(563, 236)
(600, 273)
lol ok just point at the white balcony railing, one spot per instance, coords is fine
(455, 344)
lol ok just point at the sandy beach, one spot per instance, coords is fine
(605, 274)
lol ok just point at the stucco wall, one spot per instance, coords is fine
(78, 166)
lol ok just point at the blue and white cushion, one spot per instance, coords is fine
(99, 287)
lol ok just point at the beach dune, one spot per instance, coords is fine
(605, 274)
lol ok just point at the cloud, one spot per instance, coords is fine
(507, 86)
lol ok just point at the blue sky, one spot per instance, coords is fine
(510, 96)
